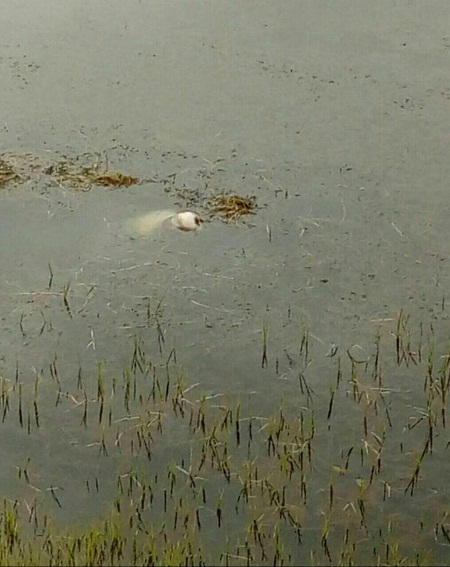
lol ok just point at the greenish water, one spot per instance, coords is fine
(140, 421)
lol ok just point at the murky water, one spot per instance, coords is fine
(334, 118)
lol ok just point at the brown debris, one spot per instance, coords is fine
(114, 178)
(18, 168)
(67, 172)
(232, 206)
(7, 173)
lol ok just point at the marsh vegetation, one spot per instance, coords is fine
(173, 475)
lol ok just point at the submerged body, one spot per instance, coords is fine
(185, 221)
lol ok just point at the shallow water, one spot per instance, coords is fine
(334, 118)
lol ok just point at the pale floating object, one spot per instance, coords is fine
(146, 224)
(186, 221)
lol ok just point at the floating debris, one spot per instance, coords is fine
(7, 173)
(232, 206)
(114, 178)
(69, 172)
(18, 168)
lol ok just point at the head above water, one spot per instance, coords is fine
(144, 225)
(186, 221)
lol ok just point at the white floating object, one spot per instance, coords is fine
(186, 221)
(146, 224)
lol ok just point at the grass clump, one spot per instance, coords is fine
(232, 206)
(8, 174)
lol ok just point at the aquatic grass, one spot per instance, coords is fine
(264, 359)
(319, 477)
(65, 294)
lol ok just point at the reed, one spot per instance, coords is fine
(320, 476)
